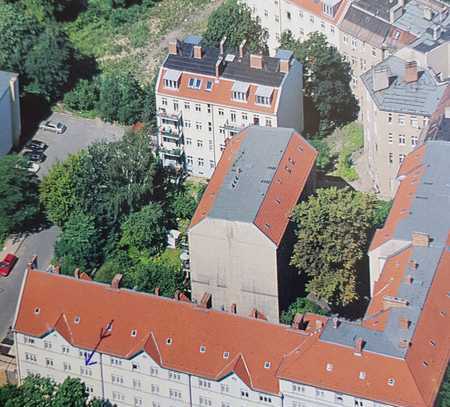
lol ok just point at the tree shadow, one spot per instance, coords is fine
(327, 181)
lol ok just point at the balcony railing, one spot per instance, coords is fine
(172, 132)
(174, 153)
(232, 126)
(175, 117)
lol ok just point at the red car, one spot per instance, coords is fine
(7, 264)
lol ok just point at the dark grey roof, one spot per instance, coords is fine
(379, 8)
(420, 97)
(441, 131)
(255, 164)
(237, 70)
(5, 78)
(365, 26)
(429, 214)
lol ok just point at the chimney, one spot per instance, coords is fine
(158, 291)
(319, 324)
(115, 284)
(205, 302)
(380, 79)
(427, 13)
(436, 32)
(198, 52)
(256, 61)
(285, 65)
(411, 73)
(57, 269)
(222, 44)
(409, 279)
(395, 12)
(413, 264)
(404, 323)
(447, 112)
(242, 49)
(233, 308)
(219, 67)
(29, 266)
(359, 345)
(177, 294)
(77, 273)
(394, 302)
(404, 343)
(254, 313)
(173, 47)
(297, 322)
(420, 239)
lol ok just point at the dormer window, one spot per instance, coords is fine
(209, 86)
(264, 95)
(195, 83)
(172, 79)
(240, 91)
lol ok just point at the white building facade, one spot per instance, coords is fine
(10, 126)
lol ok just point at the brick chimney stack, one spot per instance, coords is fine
(256, 61)
(77, 273)
(242, 49)
(297, 322)
(173, 47)
(206, 301)
(158, 291)
(404, 322)
(222, 45)
(359, 345)
(115, 283)
(411, 72)
(233, 308)
(421, 239)
(198, 52)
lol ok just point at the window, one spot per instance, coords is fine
(401, 119)
(188, 141)
(244, 394)
(414, 140)
(189, 160)
(414, 122)
(224, 388)
(202, 349)
(30, 357)
(391, 160)
(339, 398)
(296, 388)
(48, 362)
(374, 52)
(221, 130)
(138, 401)
(320, 393)
(204, 383)
(195, 83)
(164, 101)
(225, 404)
(154, 370)
(198, 107)
(175, 105)
(244, 116)
(209, 86)
(65, 349)
(168, 83)
(311, 19)
(401, 139)
(155, 404)
(226, 355)
(268, 122)
(265, 399)
(85, 371)
(175, 394)
(47, 345)
(391, 381)
(210, 145)
(233, 117)
(187, 105)
(66, 366)
(345, 39)
(198, 125)
(263, 100)
(116, 362)
(389, 118)
(203, 401)
(28, 340)
(390, 138)
(267, 365)
(266, 13)
(277, 18)
(359, 403)
(212, 164)
(300, 13)
(210, 127)
(187, 124)
(200, 162)
(154, 388)
(362, 375)
(240, 96)
(200, 143)
(118, 396)
(90, 389)
(174, 376)
(401, 157)
(136, 383)
(116, 379)
(221, 112)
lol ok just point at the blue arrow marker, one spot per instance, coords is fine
(88, 359)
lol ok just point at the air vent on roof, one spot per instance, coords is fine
(37, 311)
(226, 355)
(76, 320)
(425, 363)
(267, 365)
(230, 58)
(391, 381)
(329, 367)
(362, 375)
(202, 349)
(169, 341)
(133, 332)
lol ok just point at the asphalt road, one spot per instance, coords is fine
(79, 134)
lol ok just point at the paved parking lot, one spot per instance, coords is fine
(79, 134)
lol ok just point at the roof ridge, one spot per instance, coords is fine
(65, 330)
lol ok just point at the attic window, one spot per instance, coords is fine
(169, 341)
(37, 311)
(267, 225)
(425, 363)
(226, 355)
(329, 367)
(76, 320)
(195, 83)
(202, 349)
(362, 375)
(133, 332)
(267, 365)
(209, 86)
(432, 342)
(391, 381)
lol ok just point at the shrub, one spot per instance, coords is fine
(84, 96)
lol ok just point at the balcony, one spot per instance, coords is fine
(162, 114)
(171, 134)
(233, 127)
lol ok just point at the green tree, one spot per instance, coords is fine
(71, 393)
(300, 306)
(58, 190)
(48, 64)
(234, 20)
(19, 203)
(145, 231)
(444, 393)
(382, 209)
(327, 79)
(121, 98)
(84, 96)
(325, 158)
(332, 237)
(8, 392)
(35, 391)
(18, 33)
(78, 245)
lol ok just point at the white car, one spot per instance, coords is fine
(58, 128)
(34, 168)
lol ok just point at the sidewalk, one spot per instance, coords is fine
(12, 245)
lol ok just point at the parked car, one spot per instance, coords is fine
(7, 264)
(36, 145)
(58, 128)
(34, 156)
(33, 167)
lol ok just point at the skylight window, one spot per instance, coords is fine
(262, 100)
(267, 365)
(37, 311)
(226, 355)
(169, 341)
(362, 375)
(329, 367)
(241, 96)
(76, 320)
(391, 381)
(133, 332)
(202, 349)
(209, 86)
(195, 83)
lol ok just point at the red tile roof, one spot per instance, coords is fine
(315, 7)
(221, 93)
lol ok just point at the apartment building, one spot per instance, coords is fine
(143, 350)
(206, 95)
(399, 99)
(10, 126)
(240, 238)
(300, 17)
